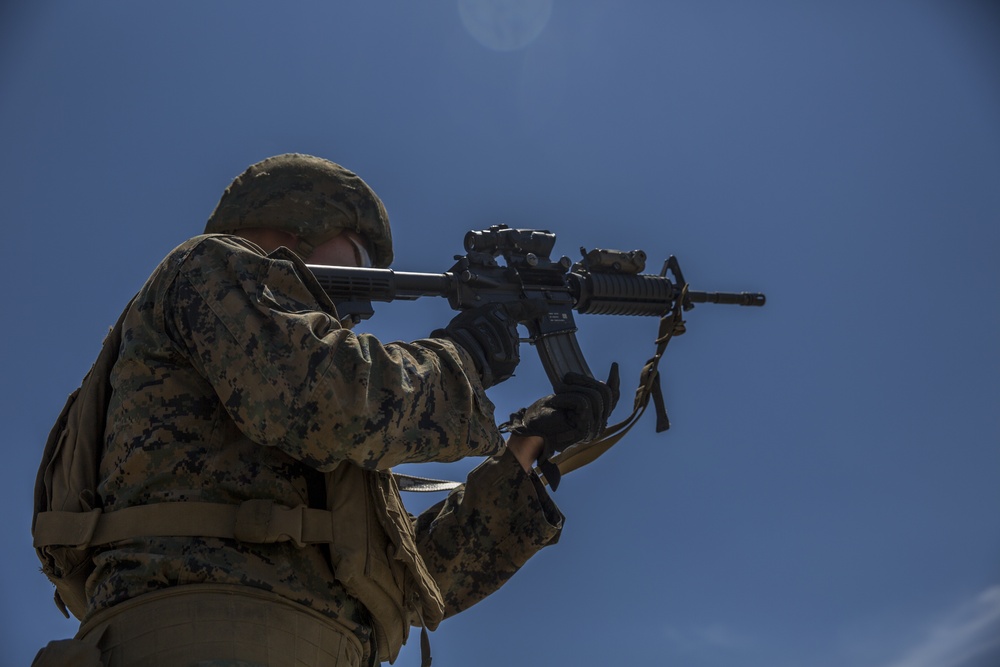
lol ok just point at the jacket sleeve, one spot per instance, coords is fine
(483, 532)
(266, 337)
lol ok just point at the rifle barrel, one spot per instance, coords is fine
(730, 298)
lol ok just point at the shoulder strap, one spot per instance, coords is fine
(79, 430)
(68, 473)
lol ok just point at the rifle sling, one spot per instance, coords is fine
(671, 324)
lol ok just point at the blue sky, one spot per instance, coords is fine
(827, 495)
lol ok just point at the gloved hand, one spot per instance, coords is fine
(578, 411)
(489, 334)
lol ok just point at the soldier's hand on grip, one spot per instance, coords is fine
(578, 411)
(489, 334)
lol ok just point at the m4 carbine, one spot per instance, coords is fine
(604, 282)
(608, 282)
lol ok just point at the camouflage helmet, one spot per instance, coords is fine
(307, 196)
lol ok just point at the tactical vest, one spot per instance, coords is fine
(365, 525)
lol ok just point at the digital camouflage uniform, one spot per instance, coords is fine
(237, 381)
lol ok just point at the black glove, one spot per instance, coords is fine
(489, 334)
(578, 411)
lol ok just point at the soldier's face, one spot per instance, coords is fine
(345, 249)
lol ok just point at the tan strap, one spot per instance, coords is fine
(256, 521)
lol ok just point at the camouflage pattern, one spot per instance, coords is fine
(236, 381)
(310, 197)
(482, 533)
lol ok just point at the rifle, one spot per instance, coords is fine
(606, 282)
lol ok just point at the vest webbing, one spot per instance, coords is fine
(256, 521)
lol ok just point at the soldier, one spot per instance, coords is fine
(237, 386)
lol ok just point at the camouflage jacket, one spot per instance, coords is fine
(236, 381)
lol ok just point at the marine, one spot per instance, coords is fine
(237, 390)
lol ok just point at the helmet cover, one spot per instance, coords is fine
(307, 196)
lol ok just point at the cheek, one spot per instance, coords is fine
(333, 254)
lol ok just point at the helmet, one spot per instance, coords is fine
(310, 197)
